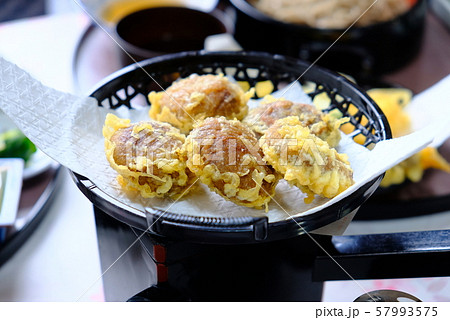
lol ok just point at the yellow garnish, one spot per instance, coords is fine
(245, 86)
(430, 158)
(264, 88)
(391, 102)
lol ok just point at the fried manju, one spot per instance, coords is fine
(196, 98)
(148, 157)
(322, 125)
(225, 155)
(305, 160)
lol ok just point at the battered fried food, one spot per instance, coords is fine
(322, 125)
(225, 155)
(196, 98)
(148, 157)
(305, 160)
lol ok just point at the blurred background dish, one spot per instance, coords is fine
(161, 30)
(28, 178)
(267, 34)
(362, 51)
(26, 190)
(36, 196)
(147, 28)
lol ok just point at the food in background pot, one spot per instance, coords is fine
(196, 98)
(333, 14)
(325, 126)
(225, 155)
(305, 160)
(148, 157)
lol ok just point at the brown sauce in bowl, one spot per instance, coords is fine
(160, 30)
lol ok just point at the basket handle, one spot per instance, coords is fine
(167, 223)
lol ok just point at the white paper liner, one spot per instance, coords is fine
(429, 106)
(69, 129)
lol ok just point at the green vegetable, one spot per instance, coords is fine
(14, 144)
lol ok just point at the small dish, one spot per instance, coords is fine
(161, 30)
(10, 189)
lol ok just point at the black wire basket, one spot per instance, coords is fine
(131, 85)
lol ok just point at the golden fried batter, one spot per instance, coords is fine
(322, 125)
(148, 157)
(196, 98)
(305, 160)
(225, 155)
